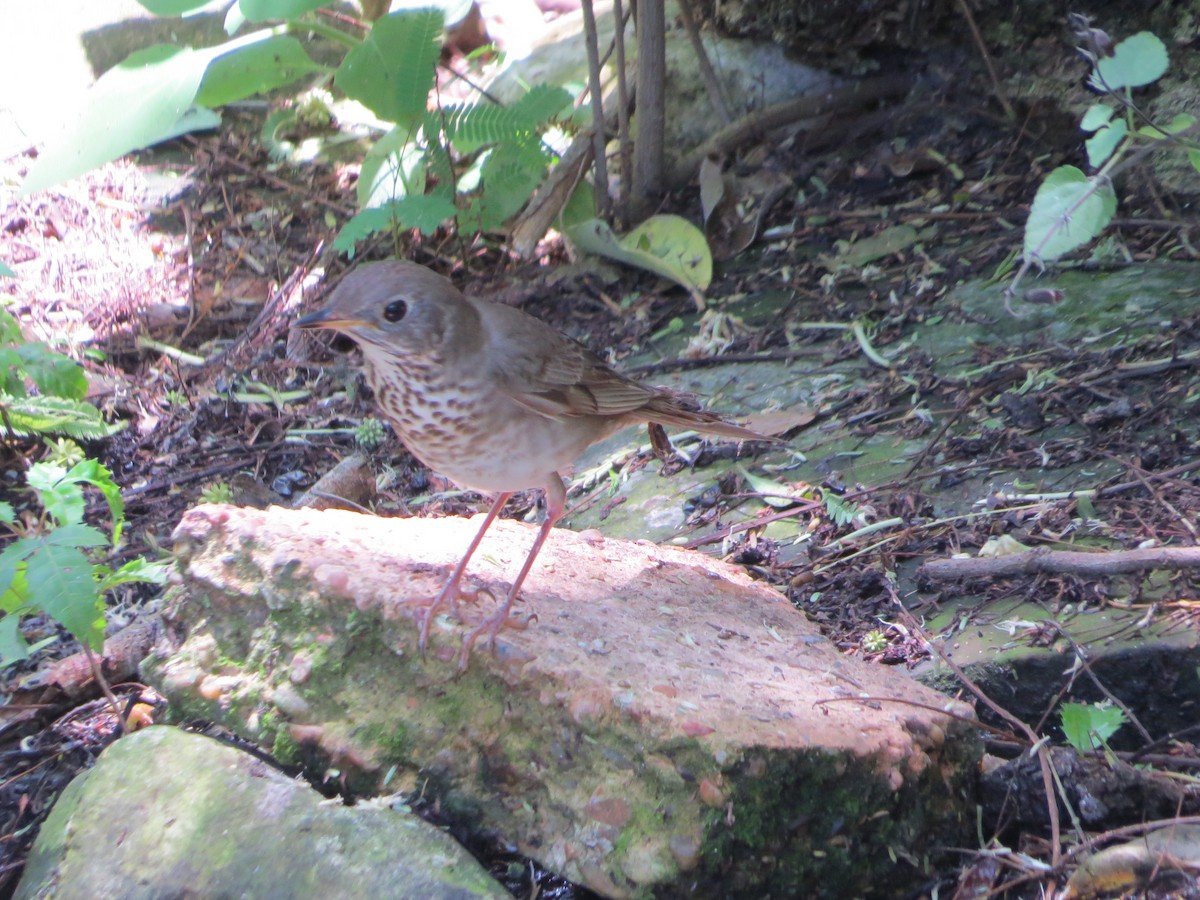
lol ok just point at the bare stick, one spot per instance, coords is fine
(715, 94)
(603, 201)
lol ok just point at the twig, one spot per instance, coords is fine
(592, 41)
(715, 94)
(1009, 113)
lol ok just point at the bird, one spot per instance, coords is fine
(490, 397)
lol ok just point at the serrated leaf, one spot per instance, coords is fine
(261, 10)
(52, 372)
(510, 175)
(1138, 60)
(77, 535)
(1097, 116)
(1068, 211)
(391, 72)
(425, 212)
(1088, 727)
(254, 69)
(670, 246)
(61, 585)
(1101, 145)
(55, 415)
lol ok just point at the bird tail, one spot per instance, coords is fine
(673, 409)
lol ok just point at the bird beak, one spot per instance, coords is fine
(324, 318)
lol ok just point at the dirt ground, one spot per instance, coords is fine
(236, 248)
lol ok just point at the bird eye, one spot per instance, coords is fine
(395, 311)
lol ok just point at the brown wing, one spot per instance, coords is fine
(553, 375)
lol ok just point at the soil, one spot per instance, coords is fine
(238, 247)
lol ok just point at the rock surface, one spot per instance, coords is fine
(664, 723)
(168, 814)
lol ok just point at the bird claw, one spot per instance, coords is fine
(491, 626)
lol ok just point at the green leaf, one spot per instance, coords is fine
(137, 570)
(1181, 122)
(480, 124)
(391, 72)
(7, 514)
(11, 558)
(52, 372)
(670, 246)
(393, 168)
(1138, 60)
(1087, 726)
(1194, 159)
(510, 175)
(173, 7)
(425, 212)
(140, 102)
(1097, 116)
(91, 471)
(62, 586)
(77, 535)
(13, 647)
(1068, 211)
(5, 271)
(254, 69)
(259, 10)
(62, 498)
(55, 415)
(1101, 145)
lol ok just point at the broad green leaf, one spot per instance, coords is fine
(1097, 116)
(52, 372)
(13, 647)
(770, 492)
(62, 497)
(62, 586)
(173, 7)
(1194, 159)
(1068, 211)
(11, 558)
(1101, 145)
(670, 246)
(55, 415)
(254, 69)
(1088, 726)
(138, 103)
(91, 471)
(391, 72)
(393, 168)
(5, 271)
(1181, 122)
(137, 570)
(259, 10)
(78, 535)
(7, 514)
(1138, 60)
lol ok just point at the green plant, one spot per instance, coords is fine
(217, 492)
(49, 567)
(1071, 208)
(42, 391)
(477, 163)
(875, 641)
(370, 433)
(1088, 726)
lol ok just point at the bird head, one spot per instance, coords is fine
(396, 306)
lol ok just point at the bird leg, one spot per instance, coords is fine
(451, 591)
(556, 502)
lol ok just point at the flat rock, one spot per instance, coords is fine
(663, 723)
(164, 813)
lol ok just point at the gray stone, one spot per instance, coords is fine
(165, 813)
